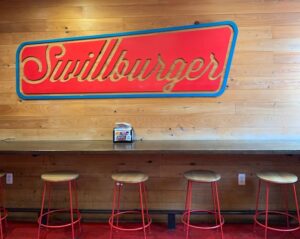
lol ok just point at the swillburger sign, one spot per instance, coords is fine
(185, 61)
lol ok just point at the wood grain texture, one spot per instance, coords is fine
(166, 182)
(263, 86)
(261, 102)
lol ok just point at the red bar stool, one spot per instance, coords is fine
(202, 176)
(286, 180)
(51, 179)
(3, 211)
(129, 177)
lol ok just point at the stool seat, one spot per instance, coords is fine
(130, 177)
(277, 177)
(205, 176)
(59, 177)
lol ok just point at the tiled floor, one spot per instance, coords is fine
(101, 231)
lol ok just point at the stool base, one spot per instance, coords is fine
(72, 210)
(146, 220)
(267, 212)
(219, 220)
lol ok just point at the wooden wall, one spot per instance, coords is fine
(261, 102)
(166, 185)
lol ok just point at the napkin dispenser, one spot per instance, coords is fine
(122, 132)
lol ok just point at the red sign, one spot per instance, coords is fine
(181, 61)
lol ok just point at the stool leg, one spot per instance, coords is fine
(71, 209)
(256, 205)
(146, 204)
(267, 209)
(142, 208)
(118, 200)
(186, 202)
(286, 201)
(296, 202)
(2, 206)
(188, 207)
(49, 199)
(218, 208)
(1, 229)
(42, 209)
(113, 210)
(76, 204)
(214, 202)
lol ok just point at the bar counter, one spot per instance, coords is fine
(157, 146)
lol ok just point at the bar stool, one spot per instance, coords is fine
(51, 179)
(3, 211)
(202, 176)
(120, 179)
(285, 179)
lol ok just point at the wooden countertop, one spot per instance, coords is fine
(157, 146)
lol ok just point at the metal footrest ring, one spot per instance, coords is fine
(75, 212)
(218, 224)
(277, 228)
(111, 220)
